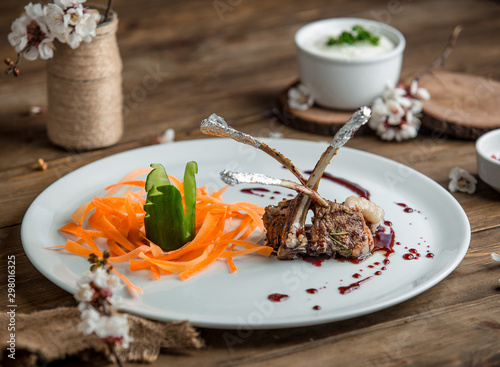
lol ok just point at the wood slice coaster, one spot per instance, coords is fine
(461, 105)
(316, 120)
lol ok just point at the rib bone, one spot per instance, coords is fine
(294, 228)
(234, 178)
(346, 132)
(298, 218)
(217, 126)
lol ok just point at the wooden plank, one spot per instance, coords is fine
(412, 341)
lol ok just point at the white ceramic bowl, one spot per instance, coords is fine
(342, 83)
(487, 146)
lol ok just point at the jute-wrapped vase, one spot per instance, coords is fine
(85, 92)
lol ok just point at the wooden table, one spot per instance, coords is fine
(233, 58)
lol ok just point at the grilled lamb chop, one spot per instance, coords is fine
(337, 229)
(293, 242)
(275, 218)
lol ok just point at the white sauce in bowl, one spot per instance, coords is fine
(358, 50)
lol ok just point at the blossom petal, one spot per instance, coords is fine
(46, 49)
(495, 257)
(423, 93)
(461, 180)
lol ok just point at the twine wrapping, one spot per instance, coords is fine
(85, 92)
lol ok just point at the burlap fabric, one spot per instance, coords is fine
(52, 335)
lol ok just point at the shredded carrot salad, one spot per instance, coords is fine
(118, 217)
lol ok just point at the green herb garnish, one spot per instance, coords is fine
(165, 222)
(358, 34)
(332, 236)
(345, 251)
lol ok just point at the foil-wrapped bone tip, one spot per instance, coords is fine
(214, 124)
(228, 178)
(234, 178)
(214, 119)
(346, 132)
(365, 111)
(217, 126)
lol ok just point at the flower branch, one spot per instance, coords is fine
(96, 291)
(396, 114)
(34, 32)
(108, 11)
(441, 59)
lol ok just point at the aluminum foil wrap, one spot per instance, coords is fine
(235, 178)
(358, 119)
(217, 126)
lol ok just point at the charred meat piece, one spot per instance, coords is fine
(275, 218)
(336, 230)
(339, 230)
(279, 229)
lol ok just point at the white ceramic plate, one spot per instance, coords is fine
(215, 298)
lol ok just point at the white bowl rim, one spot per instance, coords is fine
(480, 145)
(399, 48)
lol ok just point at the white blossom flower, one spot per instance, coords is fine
(461, 180)
(386, 133)
(97, 304)
(87, 26)
(412, 120)
(300, 98)
(90, 321)
(73, 15)
(64, 4)
(379, 113)
(389, 111)
(108, 283)
(36, 110)
(57, 22)
(394, 114)
(417, 91)
(30, 33)
(415, 106)
(104, 279)
(496, 257)
(83, 292)
(114, 326)
(275, 134)
(407, 131)
(167, 137)
(397, 93)
(71, 23)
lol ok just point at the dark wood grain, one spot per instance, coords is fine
(236, 64)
